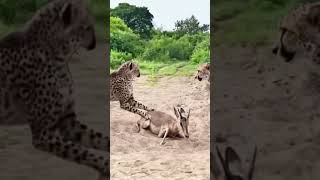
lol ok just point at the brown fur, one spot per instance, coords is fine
(164, 125)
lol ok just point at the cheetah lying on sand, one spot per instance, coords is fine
(36, 85)
(121, 88)
(165, 125)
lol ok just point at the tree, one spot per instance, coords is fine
(190, 26)
(139, 19)
(123, 39)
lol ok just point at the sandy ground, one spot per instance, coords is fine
(259, 99)
(139, 155)
(20, 161)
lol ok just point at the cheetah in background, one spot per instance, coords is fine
(36, 84)
(121, 88)
(299, 31)
(203, 72)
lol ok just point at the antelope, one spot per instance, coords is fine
(164, 125)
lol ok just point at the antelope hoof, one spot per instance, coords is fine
(162, 143)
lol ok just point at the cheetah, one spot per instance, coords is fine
(203, 72)
(36, 84)
(299, 32)
(121, 89)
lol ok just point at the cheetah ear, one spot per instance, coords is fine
(207, 66)
(130, 66)
(176, 112)
(314, 14)
(66, 14)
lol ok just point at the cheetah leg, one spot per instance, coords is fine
(139, 105)
(52, 142)
(74, 130)
(44, 121)
(128, 107)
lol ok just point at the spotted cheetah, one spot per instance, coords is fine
(36, 84)
(203, 72)
(299, 31)
(121, 88)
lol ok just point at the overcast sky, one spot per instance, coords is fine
(167, 12)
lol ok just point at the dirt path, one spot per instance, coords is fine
(139, 156)
(20, 161)
(258, 98)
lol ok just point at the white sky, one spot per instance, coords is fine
(167, 12)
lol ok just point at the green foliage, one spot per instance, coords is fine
(123, 39)
(18, 11)
(139, 19)
(165, 48)
(201, 53)
(118, 58)
(190, 26)
(13, 14)
(252, 22)
(166, 53)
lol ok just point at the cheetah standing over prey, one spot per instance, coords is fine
(203, 72)
(122, 90)
(299, 30)
(36, 85)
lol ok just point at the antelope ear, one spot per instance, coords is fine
(314, 14)
(233, 161)
(66, 14)
(252, 164)
(176, 112)
(223, 163)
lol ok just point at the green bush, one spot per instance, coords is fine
(123, 39)
(201, 53)
(118, 58)
(15, 13)
(164, 48)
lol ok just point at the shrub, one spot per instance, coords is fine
(117, 58)
(201, 53)
(123, 39)
(165, 48)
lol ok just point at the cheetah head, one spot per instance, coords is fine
(130, 69)
(298, 32)
(287, 46)
(77, 24)
(134, 69)
(203, 72)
